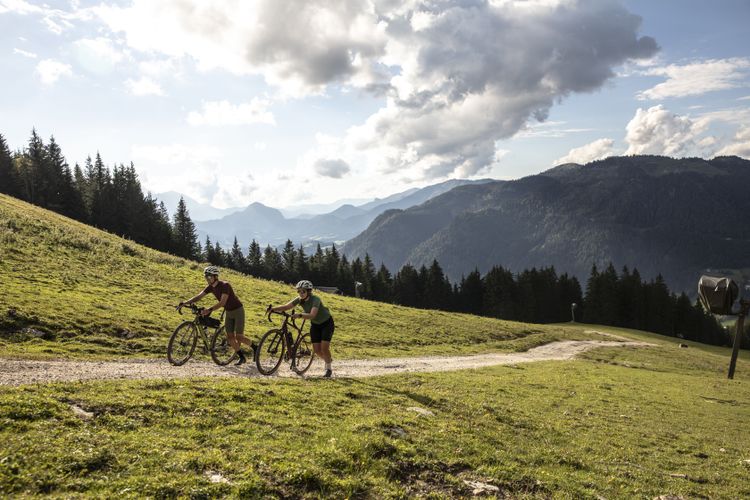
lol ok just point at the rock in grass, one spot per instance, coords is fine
(480, 488)
(422, 411)
(81, 413)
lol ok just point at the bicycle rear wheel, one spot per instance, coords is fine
(303, 354)
(270, 352)
(221, 352)
(182, 343)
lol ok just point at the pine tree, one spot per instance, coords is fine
(407, 290)
(288, 258)
(301, 267)
(185, 237)
(500, 294)
(272, 263)
(9, 181)
(236, 260)
(255, 260)
(471, 293)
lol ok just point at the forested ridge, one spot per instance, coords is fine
(113, 200)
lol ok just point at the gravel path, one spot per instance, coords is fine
(20, 372)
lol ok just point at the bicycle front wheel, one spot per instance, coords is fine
(303, 354)
(221, 352)
(182, 343)
(270, 352)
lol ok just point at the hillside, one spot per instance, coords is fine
(679, 218)
(87, 293)
(618, 422)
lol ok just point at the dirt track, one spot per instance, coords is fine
(20, 372)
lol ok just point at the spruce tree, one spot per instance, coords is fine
(255, 260)
(236, 259)
(185, 237)
(9, 181)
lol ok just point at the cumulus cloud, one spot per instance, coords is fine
(656, 130)
(144, 86)
(219, 113)
(474, 73)
(457, 75)
(697, 78)
(597, 150)
(49, 71)
(334, 168)
(299, 47)
(740, 144)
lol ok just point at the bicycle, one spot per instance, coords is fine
(183, 341)
(279, 344)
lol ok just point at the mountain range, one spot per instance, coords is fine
(268, 225)
(677, 217)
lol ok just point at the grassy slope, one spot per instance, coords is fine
(616, 423)
(84, 287)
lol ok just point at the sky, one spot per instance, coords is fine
(311, 101)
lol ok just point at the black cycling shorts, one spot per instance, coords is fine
(323, 331)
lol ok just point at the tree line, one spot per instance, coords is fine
(113, 200)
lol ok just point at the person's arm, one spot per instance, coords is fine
(311, 315)
(194, 299)
(221, 303)
(285, 307)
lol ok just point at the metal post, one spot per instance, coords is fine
(744, 308)
(573, 312)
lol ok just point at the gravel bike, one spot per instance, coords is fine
(183, 341)
(279, 344)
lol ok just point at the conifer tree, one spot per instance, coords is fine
(236, 259)
(288, 258)
(185, 237)
(272, 263)
(471, 293)
(9, 181)
(255, 260)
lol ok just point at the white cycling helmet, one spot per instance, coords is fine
(213, 270)
(305, 284)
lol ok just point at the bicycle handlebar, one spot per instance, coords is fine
(270, 311)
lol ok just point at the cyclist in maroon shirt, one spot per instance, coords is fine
(234, 312)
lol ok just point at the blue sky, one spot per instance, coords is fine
(301, 102)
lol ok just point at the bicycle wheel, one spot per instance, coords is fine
(303, 354)
(270, 352)
(182, 343)
(221, 352)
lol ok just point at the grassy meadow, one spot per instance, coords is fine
(615, 423)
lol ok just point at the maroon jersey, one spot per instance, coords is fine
(220, 289)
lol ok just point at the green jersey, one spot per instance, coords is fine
(312, 301)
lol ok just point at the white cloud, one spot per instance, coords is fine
(24, 53)
(19, 7)
(220, 113)
(98, 55)
(299, 47)
(698, 78)
(49, 71)
(597, 150)
(334, 168)
(740, 144)
(745, 98)
(658, 131)
(56, 20)
(144, 86)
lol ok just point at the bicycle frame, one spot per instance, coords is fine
(202, 329)
(288, 338)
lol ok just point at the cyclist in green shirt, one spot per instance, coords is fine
(321, 321)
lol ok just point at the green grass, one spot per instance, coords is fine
(616, 423)
(87, 291)
(601, 426)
